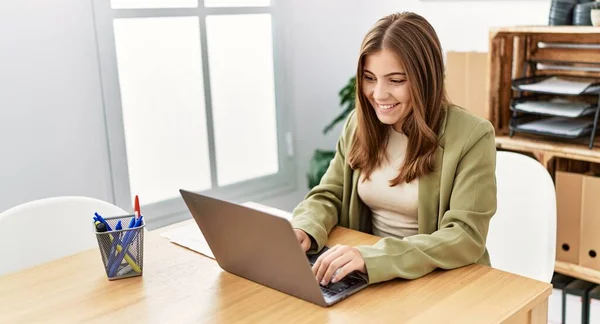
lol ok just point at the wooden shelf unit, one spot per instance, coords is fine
(546, 150)
(512, 51)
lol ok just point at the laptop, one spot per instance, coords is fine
(263, 248)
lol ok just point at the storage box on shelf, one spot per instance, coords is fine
(523, 56)
(578, 218)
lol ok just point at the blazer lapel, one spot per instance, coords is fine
(429, 187)
(429, 196)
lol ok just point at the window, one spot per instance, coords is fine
(193, 100)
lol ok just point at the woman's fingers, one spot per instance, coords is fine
(334, 267)
(342, 272)
(336, 263)
(323, 261)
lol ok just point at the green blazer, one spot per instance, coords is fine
(456, 203)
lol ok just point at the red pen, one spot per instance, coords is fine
(136, 207)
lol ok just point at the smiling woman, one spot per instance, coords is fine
(387, 89)
(409, 167)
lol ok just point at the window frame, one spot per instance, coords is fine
(174, 209)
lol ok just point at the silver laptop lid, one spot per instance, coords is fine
(255, 245)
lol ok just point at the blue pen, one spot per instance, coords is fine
(113, 255)
(131, 222)
(103, 221)
(116, 240)
(127, 240)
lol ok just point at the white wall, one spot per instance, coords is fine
(325, 42)
(52, 136)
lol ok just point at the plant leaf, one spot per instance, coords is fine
(318, 166)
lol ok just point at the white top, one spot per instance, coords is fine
(394, 208)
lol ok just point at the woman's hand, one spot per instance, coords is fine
(338, 262)
(303, 239)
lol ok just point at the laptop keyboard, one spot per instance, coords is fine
(333, 289)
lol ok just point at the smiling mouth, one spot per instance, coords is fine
(386, 107)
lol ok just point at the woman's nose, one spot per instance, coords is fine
(380, 92)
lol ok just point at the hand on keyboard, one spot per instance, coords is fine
(336, 263)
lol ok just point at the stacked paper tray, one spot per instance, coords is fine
(556, 84)
(559, 107)
(556, 126)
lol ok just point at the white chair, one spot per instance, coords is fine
(522, 234)
(44, 230)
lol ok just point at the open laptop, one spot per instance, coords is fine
(263, 248)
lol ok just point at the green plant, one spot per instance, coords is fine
(321, 158)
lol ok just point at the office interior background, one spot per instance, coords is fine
(63, 132)
(111, 99)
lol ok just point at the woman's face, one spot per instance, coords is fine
(386, 86)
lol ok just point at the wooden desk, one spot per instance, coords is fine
(181, 286)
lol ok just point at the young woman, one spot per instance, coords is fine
(410, 167)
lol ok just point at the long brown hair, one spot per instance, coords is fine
(414, 41)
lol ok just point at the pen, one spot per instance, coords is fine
(130, 260)
(115, 239)
(136, 207)
(127, 240)
(131, 223)
(101, 228)
(103, 221)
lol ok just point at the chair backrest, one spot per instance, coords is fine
(44, 230)
(522, 234)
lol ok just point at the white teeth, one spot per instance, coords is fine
(386, 106)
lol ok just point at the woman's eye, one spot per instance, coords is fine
(398, 81)
(369, 78)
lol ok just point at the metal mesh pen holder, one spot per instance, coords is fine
(122, 251)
